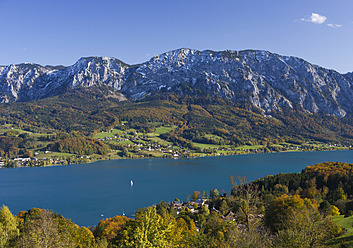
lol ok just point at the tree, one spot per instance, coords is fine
(162, 208)
(110, 227)
(280, 189)
(201, 217)
(339, 194)
(246, 196)
(334, 210)
(296, 222)
(281, 210)
(8, 226)
(196, 195)
(306, 229)
(42, 228)
(151, 230)
(325, 208)
(125, 152)
(248, 238)
(214, 193)
(186, 233)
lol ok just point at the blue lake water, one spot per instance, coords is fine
(88, 193)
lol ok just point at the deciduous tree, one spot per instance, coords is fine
(8, 226)
(246, 196)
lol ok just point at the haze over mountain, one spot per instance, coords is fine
(268, 81)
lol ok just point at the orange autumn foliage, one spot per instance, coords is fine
(109, 227)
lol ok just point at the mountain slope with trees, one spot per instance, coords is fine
(200, 123)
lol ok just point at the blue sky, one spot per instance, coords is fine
(60, 32)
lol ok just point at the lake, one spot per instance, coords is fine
(87, 193)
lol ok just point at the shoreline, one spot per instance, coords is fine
(176, 158)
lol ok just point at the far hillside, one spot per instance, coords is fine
(84, 126)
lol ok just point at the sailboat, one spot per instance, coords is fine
(131, 183)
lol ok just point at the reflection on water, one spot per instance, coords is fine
(84, 193)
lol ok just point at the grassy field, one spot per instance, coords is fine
(214, 137)
(209, 146)
(249, 147)
(43, 155)
(3, 130)
(130, 133)
(111, 134)
(126, 142)
(159, 141)
(163, 129)
(347, 237)
(155, 154)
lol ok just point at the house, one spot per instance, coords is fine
(192, 209)
(201, 201)
(214, 209)
(229, 216)
(22, 159)
(177, 205)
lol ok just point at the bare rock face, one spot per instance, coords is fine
(269, 81)
(26, 82)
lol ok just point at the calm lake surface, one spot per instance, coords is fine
(88, 193)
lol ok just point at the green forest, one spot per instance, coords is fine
(313, 208)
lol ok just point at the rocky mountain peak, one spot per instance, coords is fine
(267, 80)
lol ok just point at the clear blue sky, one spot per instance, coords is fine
(60, 32)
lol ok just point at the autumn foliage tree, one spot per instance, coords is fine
(42, 228)
(8, 227)
(79, 145)
(281, 210)
(296, 222)
(109, 228)
(150, 229)
(246, 196)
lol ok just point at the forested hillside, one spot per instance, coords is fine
(196, 125)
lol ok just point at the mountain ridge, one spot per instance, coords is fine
(268, 81)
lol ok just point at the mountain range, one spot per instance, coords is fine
(266, 80)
